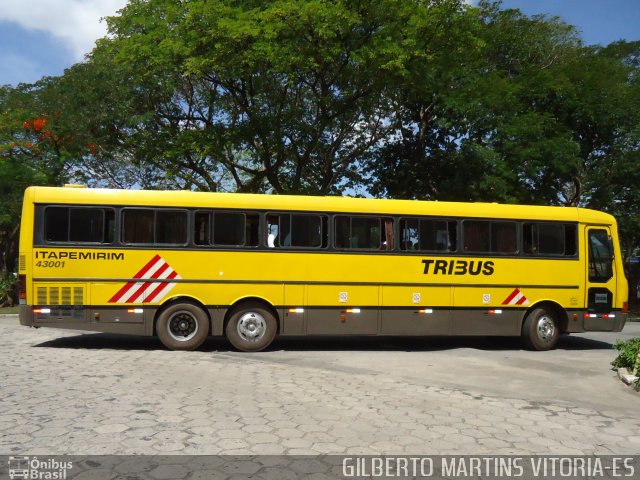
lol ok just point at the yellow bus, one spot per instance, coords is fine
(186, 265)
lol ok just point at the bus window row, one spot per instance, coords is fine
(166, 226)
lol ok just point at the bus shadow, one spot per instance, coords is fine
(107, 341)
(110, 341)
(424, 343)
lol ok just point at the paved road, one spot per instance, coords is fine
(72, 392)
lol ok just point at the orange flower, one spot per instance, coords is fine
(39, 123)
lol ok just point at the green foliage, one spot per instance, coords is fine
(489, 123)
(31, 153)
(283, 96)
(8, 290)
(628, 356)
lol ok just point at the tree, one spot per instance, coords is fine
(282, 96)
(612, 131)
(44, 141)
(479, 129)
(97, 107)
(31, 153)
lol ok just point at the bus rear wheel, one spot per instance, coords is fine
(251, 327)
(540, 330)
(182, 326)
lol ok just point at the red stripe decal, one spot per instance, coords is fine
(128, 285)
(145, 285)
(513, 295)
(121, 292)
(159, 288)
(147, 267)
(522, 300)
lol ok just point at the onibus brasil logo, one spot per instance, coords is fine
(21, 467)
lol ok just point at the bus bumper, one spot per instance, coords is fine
(621, 322)
(111, 321)
(25, 314)
(584, 321)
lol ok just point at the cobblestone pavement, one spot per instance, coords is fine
(64, 392)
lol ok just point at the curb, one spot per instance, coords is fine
(627, 377)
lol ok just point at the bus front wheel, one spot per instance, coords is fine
(540, 330)
(182, 326)
(251, 327)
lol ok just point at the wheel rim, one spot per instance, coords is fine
(252, 327)
(546, 329)
(182, 326)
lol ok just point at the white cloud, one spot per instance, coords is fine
(75, 22)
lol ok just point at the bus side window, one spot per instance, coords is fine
(483, 236)
(409, 234)
(366, 233)
(452, 236)
(110, 225)
(171, 227)
(437, 235)
(137, 226)
(363, 233)
(504, 237)
(252, 227)
(342, 226)
(86, 225)
(228, 229)
(388, 234)
(79, 225)
(325, 232)
(202, 228)
(272, 230)
(298, 231)
(570, 239)
(476, 236)
(308, 231)
(549, 239)
(530, 238)
(278, 230)
(56, 224)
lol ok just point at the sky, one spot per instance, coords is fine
(43, 37)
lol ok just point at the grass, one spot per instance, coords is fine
(8, 310)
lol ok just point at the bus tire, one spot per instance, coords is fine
(540, 330)
(251, 327)
(182, 326)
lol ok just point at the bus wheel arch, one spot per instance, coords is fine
(543, 324)
(251, 324)
(182, 323)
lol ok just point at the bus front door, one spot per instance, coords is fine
(600, 281)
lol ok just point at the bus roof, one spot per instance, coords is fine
(335, 204)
